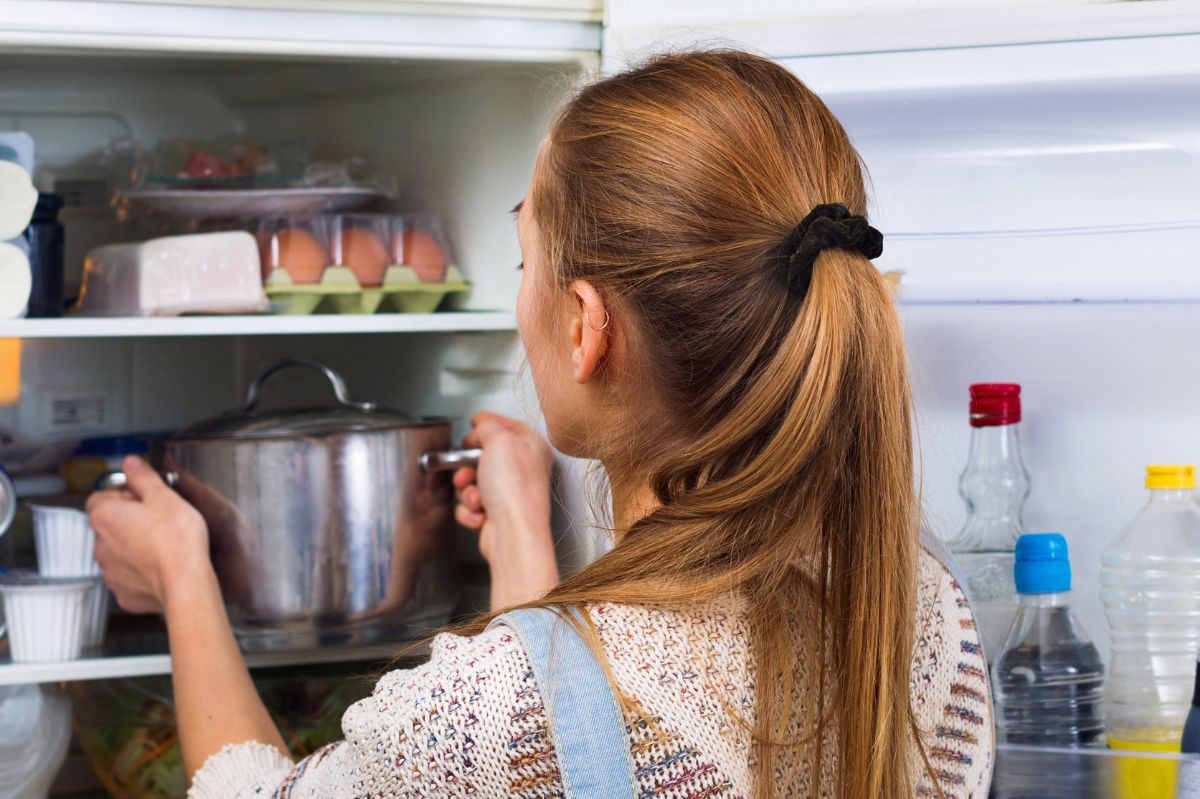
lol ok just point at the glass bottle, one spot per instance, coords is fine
(994, 486)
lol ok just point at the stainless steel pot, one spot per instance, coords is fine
(322, 520)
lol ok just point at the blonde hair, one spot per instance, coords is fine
(783, 469)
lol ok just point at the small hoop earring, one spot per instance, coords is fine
(607, 319)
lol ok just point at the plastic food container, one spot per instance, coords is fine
(356, 263)
(419, 242)
(296, 246)
(65, 545)
(46, 617)
(65, 542)
(362, 244)
(195, 273)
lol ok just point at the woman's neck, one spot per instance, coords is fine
(630, 502)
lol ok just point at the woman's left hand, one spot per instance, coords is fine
(150, 543)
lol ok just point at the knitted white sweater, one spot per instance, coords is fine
(470, 722)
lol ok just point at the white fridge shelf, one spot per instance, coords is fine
(140, 327)
(351, 33)
(107, 668)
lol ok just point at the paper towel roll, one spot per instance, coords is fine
(16, 281)
(18, 197)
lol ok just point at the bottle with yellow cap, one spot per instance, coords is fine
(1150, 583)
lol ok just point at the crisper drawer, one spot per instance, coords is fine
(1028, 772)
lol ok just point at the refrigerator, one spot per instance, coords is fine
(1035, 168)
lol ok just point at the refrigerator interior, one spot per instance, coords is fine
(1040, 198)
(460, 140)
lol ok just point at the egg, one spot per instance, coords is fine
(364, 253)
(296, 251)
(423, 253)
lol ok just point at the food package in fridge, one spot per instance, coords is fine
(357, 263)
(228, 162)
(196, 273)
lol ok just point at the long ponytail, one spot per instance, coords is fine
(783, 469)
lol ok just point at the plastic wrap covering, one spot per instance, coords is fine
(201, 181)
(35, 730)
(198, 273)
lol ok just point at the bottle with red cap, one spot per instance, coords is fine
(994, 486)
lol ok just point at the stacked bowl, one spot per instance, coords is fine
(54, 614)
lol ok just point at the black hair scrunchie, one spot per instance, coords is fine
(827, 225)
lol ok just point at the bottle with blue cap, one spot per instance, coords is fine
(1048, 678)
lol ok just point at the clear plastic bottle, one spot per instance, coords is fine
(994, 486)
(1048, 678)
(1150, 584)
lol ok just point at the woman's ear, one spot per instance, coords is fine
(590, 330)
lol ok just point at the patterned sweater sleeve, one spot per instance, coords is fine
(950, 690)
(470, 722)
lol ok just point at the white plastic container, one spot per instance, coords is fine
(65, 542)
(195, 273)
(1150, 584)
(46, 618)
(97, 616)
(65, 548)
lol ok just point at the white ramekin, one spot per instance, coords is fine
(65, 542)
(46, 617)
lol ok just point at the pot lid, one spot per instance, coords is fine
(249, 422)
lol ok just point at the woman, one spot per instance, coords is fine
(701, 315)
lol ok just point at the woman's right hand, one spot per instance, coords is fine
(506, 498)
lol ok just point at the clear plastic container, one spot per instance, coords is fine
(1150, 584)
(365, 244)
(1048, 677)
(299, 245)
(419, 242)
(994, 486)
(46, 617)
(360, 242)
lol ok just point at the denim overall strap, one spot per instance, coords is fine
(586, 722)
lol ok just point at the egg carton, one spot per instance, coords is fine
(340, 292)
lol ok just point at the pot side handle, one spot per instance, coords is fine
(119, 481)
(449, 460)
